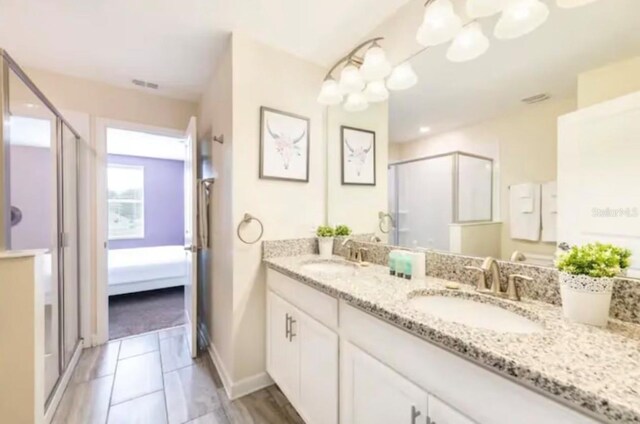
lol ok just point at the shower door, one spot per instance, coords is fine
(40, 198)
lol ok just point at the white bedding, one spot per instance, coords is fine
(164, 264)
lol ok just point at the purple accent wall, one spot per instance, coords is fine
(163, 202)
(31, 190)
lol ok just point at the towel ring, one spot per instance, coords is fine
(381, 218)
(247, 219)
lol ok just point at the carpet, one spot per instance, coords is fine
(137, 313)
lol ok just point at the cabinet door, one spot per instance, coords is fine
(282, 350)
(441, 413)
(318, 371)
(372, 393)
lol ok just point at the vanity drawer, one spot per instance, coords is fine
(318, 305)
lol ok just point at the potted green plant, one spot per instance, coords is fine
(325, 234)
(586, 275)
(342, 231)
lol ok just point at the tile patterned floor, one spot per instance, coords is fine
(152, 379)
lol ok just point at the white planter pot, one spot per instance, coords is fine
(325, 245)
(585, 299)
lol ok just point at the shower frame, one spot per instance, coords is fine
(7, 65)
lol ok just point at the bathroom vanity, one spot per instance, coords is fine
(351, 345)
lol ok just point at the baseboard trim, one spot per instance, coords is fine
(59, 390)
(240, 388)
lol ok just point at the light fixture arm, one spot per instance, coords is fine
(351, 56)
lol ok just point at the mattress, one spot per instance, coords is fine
(146, 263)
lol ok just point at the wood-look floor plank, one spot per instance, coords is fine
(85, 403)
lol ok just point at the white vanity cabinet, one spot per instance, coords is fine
(372, 393)
(383, 374)
(302, 353)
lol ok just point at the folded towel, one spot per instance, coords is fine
(524, 211)
(549, 211)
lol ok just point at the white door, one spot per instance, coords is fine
(318, 371)
(372, 393)
(441, 413)
(190, 236)
(283, 363)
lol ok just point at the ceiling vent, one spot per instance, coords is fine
(536, 99)
(145, 84)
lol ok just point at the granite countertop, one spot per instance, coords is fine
(591, 368)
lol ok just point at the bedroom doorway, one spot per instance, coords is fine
(145, 201)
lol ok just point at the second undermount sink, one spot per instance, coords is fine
(474, 313)
(330, 268)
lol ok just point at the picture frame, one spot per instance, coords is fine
(284, 146)
(358, 156)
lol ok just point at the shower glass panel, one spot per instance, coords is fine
(32, 198)
(420, 185)
(427, 195)
(475, 182)
(40, 197)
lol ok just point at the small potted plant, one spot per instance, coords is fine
(586, 275)
(342, 231)
(325, 236)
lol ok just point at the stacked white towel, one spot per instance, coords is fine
(549, 211)
(524, 211)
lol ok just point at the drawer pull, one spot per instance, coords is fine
(414, 414)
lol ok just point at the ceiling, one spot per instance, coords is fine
(451, 95)
(175, 43)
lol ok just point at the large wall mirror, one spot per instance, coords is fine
(484, 154)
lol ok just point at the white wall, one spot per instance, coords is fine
(609, 82)
(215, 117)
(524, 142)
(357, 206)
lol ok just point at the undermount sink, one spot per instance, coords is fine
(330, 267)
(473, 313)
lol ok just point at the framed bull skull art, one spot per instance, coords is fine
(358, 156)
(284, 146)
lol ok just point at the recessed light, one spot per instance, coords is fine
(30, 105)
(424, 130)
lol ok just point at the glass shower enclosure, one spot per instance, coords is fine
(429, 194)
(39, 206)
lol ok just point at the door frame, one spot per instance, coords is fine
(101, 287)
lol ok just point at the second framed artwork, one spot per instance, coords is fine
(358, 156)
(284, 146)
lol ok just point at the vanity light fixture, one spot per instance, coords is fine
(469, 44)
(440, 23)
(517, 18)
(365, 78)
(520, 17)
(569, 4)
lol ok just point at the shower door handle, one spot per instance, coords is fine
(192, 248)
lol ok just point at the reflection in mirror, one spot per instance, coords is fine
(531, 144)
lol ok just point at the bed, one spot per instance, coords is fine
(146, 268)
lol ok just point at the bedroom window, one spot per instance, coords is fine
(125, 185)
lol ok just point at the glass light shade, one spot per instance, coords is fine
(483, 8)
(440, 24)
(520, 17)
(468, 44)
(375, 65)
(402, 77)
(568, 4)
(376, 91)
(330, 93)
(356, 102)
(351, 80)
